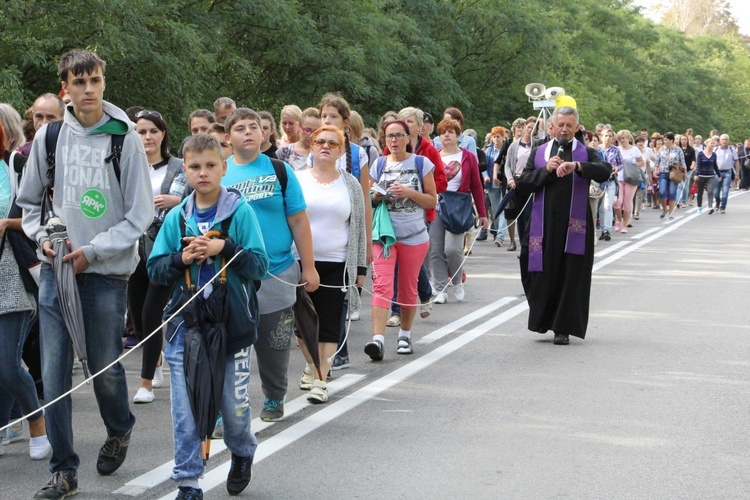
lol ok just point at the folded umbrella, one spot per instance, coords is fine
(306, 326)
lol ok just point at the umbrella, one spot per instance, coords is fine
(504, 201)
(205, 353)
(306, 326)
(67, 290)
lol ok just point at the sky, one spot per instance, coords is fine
(740, 10)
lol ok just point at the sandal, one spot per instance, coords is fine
(393, 321)
(512, 247)
(425, 309)
(404, 346)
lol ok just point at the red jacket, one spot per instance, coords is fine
(426, 149)
(471, 180)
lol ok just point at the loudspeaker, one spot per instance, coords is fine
(553, 93)
(535, 90)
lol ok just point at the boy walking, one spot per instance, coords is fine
(184, 246)
(106, 204)
(276, 196)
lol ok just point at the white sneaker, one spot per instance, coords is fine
(441, 298)
(39, 447)
(353, 315)
(143, 396)
(459, 293)
(158, 379)
(318, 393)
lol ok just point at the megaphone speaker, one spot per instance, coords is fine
(535, 90)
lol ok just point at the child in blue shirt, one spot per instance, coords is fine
(204, 210)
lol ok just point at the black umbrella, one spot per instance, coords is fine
(306, 326)
(504, 201)
(205, 354)
(67, 290)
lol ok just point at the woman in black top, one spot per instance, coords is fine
(689, 153)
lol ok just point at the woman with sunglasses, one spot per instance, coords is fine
(336, 209)
(296, 154)
(146, 299)
(407, 187)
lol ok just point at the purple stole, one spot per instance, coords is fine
(576, 240)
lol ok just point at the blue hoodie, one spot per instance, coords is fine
(165, 265)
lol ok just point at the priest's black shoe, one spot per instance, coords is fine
(561, 339)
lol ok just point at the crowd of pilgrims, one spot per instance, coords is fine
(422, 261)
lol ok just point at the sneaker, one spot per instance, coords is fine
(189, 493)
(143, 396)
(441, 298)
(710, 211)
(459, 292)
(723, 210)
(218, 432)
(404, 346)
(425, 309)
(340, 362)
(617, 226)
(482, 235)
(129, 342)
(602, 236)
(273, 410)
(374, 349)
(318, 393)
(624, 230)
(39, 447)
(498, 242)
(240, 473)
(113, 453)
(353, 315)
(629, 224)
(305, 383)
(700, 210)
(14, 434)
(62, 484)
(607, 236)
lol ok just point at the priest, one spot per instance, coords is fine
(557, 252)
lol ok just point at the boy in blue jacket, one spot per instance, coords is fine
(202, 211)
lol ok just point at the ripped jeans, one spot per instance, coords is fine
(235, 411)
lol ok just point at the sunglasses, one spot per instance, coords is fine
(331, 143)
(146, 112)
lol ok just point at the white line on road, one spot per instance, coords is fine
(646, 233)
(267, 448)
(452, 327)
(611, 249)
(156, 476)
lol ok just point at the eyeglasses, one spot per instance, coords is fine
(390, 137)
(322, 142)
(146, 112)
(307, 130)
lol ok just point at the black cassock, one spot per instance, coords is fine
(559, 295)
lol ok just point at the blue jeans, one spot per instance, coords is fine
(667, 188)
(500, 225)
(721, 192)
(103, 301)
(235, 410)
(17, 387)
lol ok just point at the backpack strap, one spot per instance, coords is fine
(381, 167)
(419, 160)
(115, 153)
(356, 167)
(50, 143)
(279, 167)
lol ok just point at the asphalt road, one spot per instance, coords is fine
(653, 404)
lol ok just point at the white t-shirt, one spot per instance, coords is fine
(157, 178)
(451, 162)
(628, 156)
(329, 209)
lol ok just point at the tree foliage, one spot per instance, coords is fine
(179, 55)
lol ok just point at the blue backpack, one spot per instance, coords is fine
(418, 159)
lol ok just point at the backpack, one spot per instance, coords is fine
(50, 142)
(418, 159)
(279, 168)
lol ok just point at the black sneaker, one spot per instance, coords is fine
(112, 454)
(62, 484)
(607, 237)
(482, 235)
(240, 473)
(189, 493)
(374, 349)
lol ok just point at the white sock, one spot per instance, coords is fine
(309, 368)
(379, 338)
(404, 333)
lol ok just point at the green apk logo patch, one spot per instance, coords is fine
(93, 204)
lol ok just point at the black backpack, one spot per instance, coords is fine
(50, 142)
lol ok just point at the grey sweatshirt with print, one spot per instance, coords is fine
(104, 217)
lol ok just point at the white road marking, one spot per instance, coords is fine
(646, 233)
(160, 474)
(218, 476)
(611, 249)
(452, 327)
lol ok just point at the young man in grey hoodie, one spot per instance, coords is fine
(105, 214)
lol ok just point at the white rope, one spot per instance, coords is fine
(126, 353)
